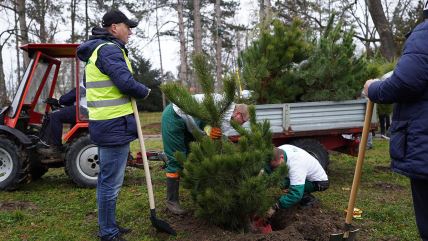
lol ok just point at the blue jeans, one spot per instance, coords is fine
(112, 171)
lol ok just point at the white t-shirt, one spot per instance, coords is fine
(302, 166)
(225, 125)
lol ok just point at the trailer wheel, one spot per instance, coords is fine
(82, 162)
(14, 166)
(314, 147)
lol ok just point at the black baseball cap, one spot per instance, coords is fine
(116, 16)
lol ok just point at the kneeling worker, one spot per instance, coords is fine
(305, 175)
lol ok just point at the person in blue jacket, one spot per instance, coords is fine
(112, 126)
(408, 89)
(52, 131)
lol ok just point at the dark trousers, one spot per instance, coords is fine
(54, 127)
(420, 203)
(384, 123)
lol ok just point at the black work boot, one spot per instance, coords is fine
(172, 197)
(308, 200)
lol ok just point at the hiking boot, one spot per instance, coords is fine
(172, 196)
(47, 150)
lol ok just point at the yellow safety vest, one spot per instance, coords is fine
(104, 99)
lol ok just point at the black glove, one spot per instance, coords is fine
(52, 102)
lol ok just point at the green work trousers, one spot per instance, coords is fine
(175, 137)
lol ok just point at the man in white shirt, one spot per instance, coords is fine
(305, 175)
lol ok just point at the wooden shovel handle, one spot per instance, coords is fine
(360, 161)
(143, 154)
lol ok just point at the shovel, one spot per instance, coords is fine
(350, 233)
(160, 225)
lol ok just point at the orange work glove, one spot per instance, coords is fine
(215, 133)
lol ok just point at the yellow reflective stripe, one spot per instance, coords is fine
(99, 84)
(110, 112)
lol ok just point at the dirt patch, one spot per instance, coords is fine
(309, 223)
(17, 205)
(387, 186)
(151, 129)
(381, 169)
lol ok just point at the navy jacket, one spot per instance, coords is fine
(110, 61)
(69, 98)
(408, 88)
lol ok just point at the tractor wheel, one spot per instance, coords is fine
(82, 162)
(37, 169)
(14, 166)
(314, 147)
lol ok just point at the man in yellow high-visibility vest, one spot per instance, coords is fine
(109, 86)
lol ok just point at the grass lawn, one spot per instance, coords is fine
(54, 209)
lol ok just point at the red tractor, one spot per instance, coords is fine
(22, 121)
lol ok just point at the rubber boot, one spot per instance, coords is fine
(172, 197)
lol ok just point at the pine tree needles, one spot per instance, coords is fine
(225, 178)
(212, 109)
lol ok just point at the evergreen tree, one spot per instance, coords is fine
(224, 178)
(209, 111)
(266, 65)
(333, 72)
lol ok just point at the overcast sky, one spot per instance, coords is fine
(149, 49)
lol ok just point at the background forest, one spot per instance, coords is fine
(299, 47)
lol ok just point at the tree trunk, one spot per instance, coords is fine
(197, 26)
(268, 11)
(41, 19)
(197, 37)
(388, 47)
(20, 6)
(218, 41)
(181, 33)
(3, 92)
(262, 11)
(18, 58)
(73, 20)
(86, 20)
(73, 39)
(160, 53)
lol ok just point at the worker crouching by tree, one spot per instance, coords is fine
(305, 175)
(177, 129)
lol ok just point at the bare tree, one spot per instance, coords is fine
(23, 27)
(218, 42)
(181, 35)
(3, 91)
(39, 11)
(265, 12)
(86, 20)
(197, 26)
(388, 47)
(160, 51)
(197, 37)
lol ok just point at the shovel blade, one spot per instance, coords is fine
(162, 226)
(347, 236)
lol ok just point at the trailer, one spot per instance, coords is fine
(317, 127)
